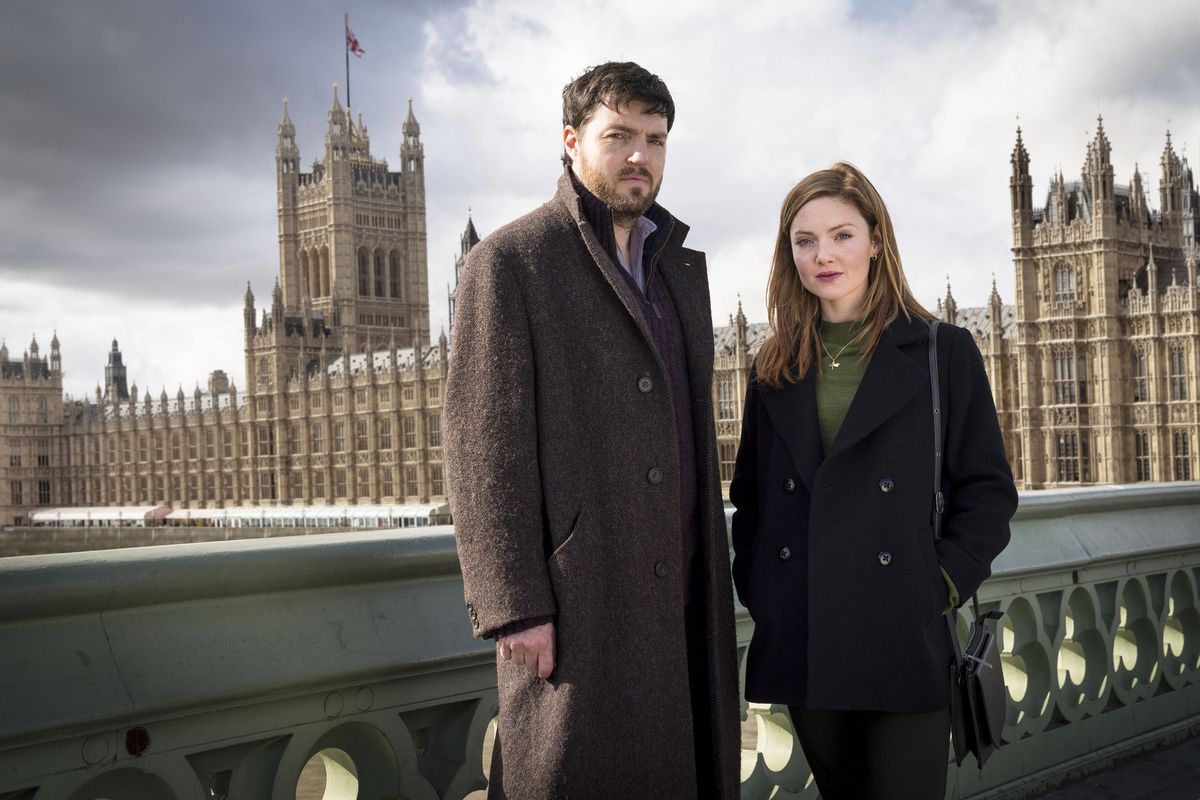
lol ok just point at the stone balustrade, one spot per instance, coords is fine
(1101, 643)
(218, 670)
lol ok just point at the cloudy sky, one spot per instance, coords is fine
(137, 137)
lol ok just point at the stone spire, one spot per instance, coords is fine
(949, 306)
(412, 152)
(1098, 175)
(1171, 183)
(1020, 186)
(1137, 197)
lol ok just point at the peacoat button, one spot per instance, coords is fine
(886, 484)
(785, 553)
(645, 384)
(660, 569)
(654, 475)
(884, 557)
(789, 486)
(474, 616)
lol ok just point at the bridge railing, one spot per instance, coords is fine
(219, 670)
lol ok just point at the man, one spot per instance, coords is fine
(583, 477)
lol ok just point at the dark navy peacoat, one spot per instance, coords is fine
(834, 552)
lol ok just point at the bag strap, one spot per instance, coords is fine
(939, 500)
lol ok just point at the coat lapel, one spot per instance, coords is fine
(687, 284)
(793, 412)
(611, 271)
(888, 385)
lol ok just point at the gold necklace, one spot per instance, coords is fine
(833, 360)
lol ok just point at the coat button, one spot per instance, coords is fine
(884, 557)
(654, 475)
(785, 553)
(886, 484)
(660, 569)
(789, 486)
(645, 384)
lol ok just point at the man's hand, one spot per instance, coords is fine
(532, 647)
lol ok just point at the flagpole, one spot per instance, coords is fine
(346, 47)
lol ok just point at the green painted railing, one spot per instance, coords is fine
(218, 670)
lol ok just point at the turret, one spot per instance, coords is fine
(337, 135)
(740, 329)
(1098, 177)
(1152, 279)
(1171, 185)
(287, 154)
(115, 385)
(1021, 194)
(287, 181)
(949, 306)
(412, 153)
(55, 355)
(248, 312)
(1137, 199)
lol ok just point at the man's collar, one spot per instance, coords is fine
(585, 206)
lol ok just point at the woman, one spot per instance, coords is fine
(834, 551)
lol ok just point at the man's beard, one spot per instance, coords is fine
(625, 208)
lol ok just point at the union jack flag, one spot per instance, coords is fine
(352, 43)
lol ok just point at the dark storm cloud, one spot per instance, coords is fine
(137, 137)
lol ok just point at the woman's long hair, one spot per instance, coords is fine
(795, 313)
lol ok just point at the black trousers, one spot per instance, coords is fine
(875, 755)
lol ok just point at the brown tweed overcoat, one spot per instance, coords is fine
(564, 484)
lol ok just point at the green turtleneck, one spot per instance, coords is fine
(836, 387)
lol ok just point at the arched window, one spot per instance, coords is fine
(1141, 381)
(1063, 379)
(1177, 372)
(364, 273)
(379, 276)
(1064, 283)
(325, 271)
(304, 273)
(394, 274)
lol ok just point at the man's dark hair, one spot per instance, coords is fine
(615, 84)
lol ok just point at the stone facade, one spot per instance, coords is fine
(32, 442)
(1094, 368)
(1106, 349)
(343, 387)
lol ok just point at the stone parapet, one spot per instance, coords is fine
(221, 669)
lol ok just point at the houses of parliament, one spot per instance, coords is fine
(1093, 367)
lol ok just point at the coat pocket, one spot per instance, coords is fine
(562, 552)
(940, 597)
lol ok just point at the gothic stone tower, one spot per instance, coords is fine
(1107, 324)
(470, 238)
(352, 233)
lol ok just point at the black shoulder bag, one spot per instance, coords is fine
(977, 694)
